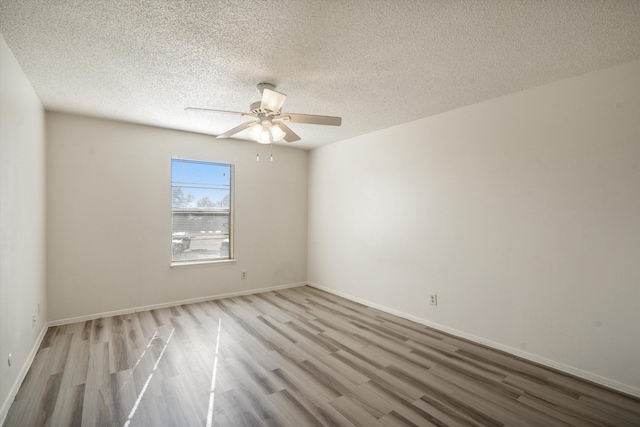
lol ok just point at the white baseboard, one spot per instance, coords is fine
(13, 391)
(170, 304)
(615, 385)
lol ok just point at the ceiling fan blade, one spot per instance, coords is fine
(238, 113)
(290, 136)
(272, 100)
(312, 119)
(237, 129)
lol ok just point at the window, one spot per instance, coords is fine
(201, 211)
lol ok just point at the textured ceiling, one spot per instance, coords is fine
(374, 63)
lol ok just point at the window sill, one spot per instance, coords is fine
(201, 263)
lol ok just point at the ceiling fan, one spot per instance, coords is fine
(268, 121)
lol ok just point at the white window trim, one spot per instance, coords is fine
(179, 264)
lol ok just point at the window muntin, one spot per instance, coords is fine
(201, 211)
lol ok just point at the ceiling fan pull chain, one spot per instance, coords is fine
(257, 157)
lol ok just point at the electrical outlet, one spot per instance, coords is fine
(10, 359)
(434, 299)
(38, 309)
(244, 275)
(33, 321)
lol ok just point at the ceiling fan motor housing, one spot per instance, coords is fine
(262, 86)
(258, 111)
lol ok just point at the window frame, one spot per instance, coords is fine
(205, 261)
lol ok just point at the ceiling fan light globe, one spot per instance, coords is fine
(255, 131)
(264, 137)
(277, 133)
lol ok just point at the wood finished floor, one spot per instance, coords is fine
(296, 357)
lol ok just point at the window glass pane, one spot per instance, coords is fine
(202, 220)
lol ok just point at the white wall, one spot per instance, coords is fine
(522, 213)
(22, 224)
(109, 217)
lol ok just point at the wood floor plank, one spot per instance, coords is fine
(563, 413)
(444, 413)
(617, 415)
(68, 411)
(123, 391)
(78, 357)
(379, 376)
(354, 412)
(345, 371)
(58, 354)
(393, 419)
(291, 412)
(585, 388)
(502, 404)
(368, 396)
(33, 380)
(98, 408)
(295, 357)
